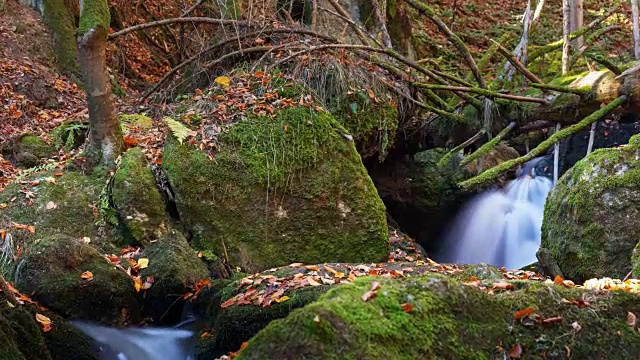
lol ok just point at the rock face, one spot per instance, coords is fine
(432, 317)
(26, 151)
(592, 216)
(51, 269)
(280, 189)
(137, 199)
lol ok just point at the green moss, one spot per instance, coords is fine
(448, 320)
(137, 199)
(137, 120)
(372, 122)
(61, 22)
(95, 14)
(70, 135)
(237, 324)
(589, 223)
(50, 269)
(176, 267)
(280, 190)
(73, 196)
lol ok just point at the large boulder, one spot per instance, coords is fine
(431, 316)
(592, 216)
(279, 188)
(74, 279)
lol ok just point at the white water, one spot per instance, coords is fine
(139, 343)
(502, 227)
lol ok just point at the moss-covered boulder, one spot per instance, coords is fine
(280, 188)
(27, 150)
(23, 338)
(432, 317)
(51, 269)
(137, 199)
(175, 267)
(592, 216)
(60, 202)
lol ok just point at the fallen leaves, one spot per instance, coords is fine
(44, 321)
(406, 307)
(372, 293)
(87, 275)
(142, 263)
(522, 313)
(515, 352)
(632, 320)
(631, 285)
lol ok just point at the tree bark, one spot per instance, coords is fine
(566, 33)
(106, 141)
(636, 31)
(577, 21)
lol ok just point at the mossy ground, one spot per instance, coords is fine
(449, 320)
(280, 189)
(590, 221)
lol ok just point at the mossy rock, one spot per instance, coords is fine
(50, 269)
(67, 204)
(282, 189)
(592, 216)
(372, 122)
(23, 338)
(450, 320)
(480, 272)
(137, 199)
(27, 150)
(175, 267)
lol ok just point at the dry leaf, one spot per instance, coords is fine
(515, 352)
(316, 319)
(223, 80)
(632, 320)
(282, 299)
(137, 283)
(372, 293)
(31, 228)
(51, 205)
(312, 282)
(522, 313)
(558, 279)
(406, 307)
(87, 275)
(296, 265)
(576, 326)
(552, 320)
(312, 268)
(143, 263)
(44, 321)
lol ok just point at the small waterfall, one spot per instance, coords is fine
(139, 343)
(503, 227)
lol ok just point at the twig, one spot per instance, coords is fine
(592, 135)
(352, 23)
(345, 14)
(201, 20)
(191, 9)
(489, 145)
(495, 171)
(482, 92)
(517, 64)
(606, 63)
(562, 89)
(469, 141)
(556, 156)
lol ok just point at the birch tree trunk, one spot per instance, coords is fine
(636, 32)
(106, 141)
(566, 31)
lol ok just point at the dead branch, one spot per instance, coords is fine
(453, 38)
(483, 92)
(192, 8)
(193, 20)
(346, 15)
(516, 63)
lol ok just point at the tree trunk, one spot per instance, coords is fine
(106, 141)
(636, 32)
(566, 31)
(577, 21)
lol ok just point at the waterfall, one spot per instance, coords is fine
(139, 343)
(503, 227)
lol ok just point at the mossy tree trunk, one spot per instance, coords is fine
(106, 142)
(60, 20)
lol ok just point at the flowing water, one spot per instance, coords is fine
(139, 343)
(503, 227)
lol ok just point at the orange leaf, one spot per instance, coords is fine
(44, 321)
(372, 293)
(87, 275)
(515, 352)
(31, 228)
(406, 307)
(552, 320)
(130, 142)
(137, 283)
(558, 279)
(229, 302)
(523, 313)
(296, 265)
(312, 268)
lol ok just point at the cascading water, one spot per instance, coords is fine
(503, 227)
(139, 343)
